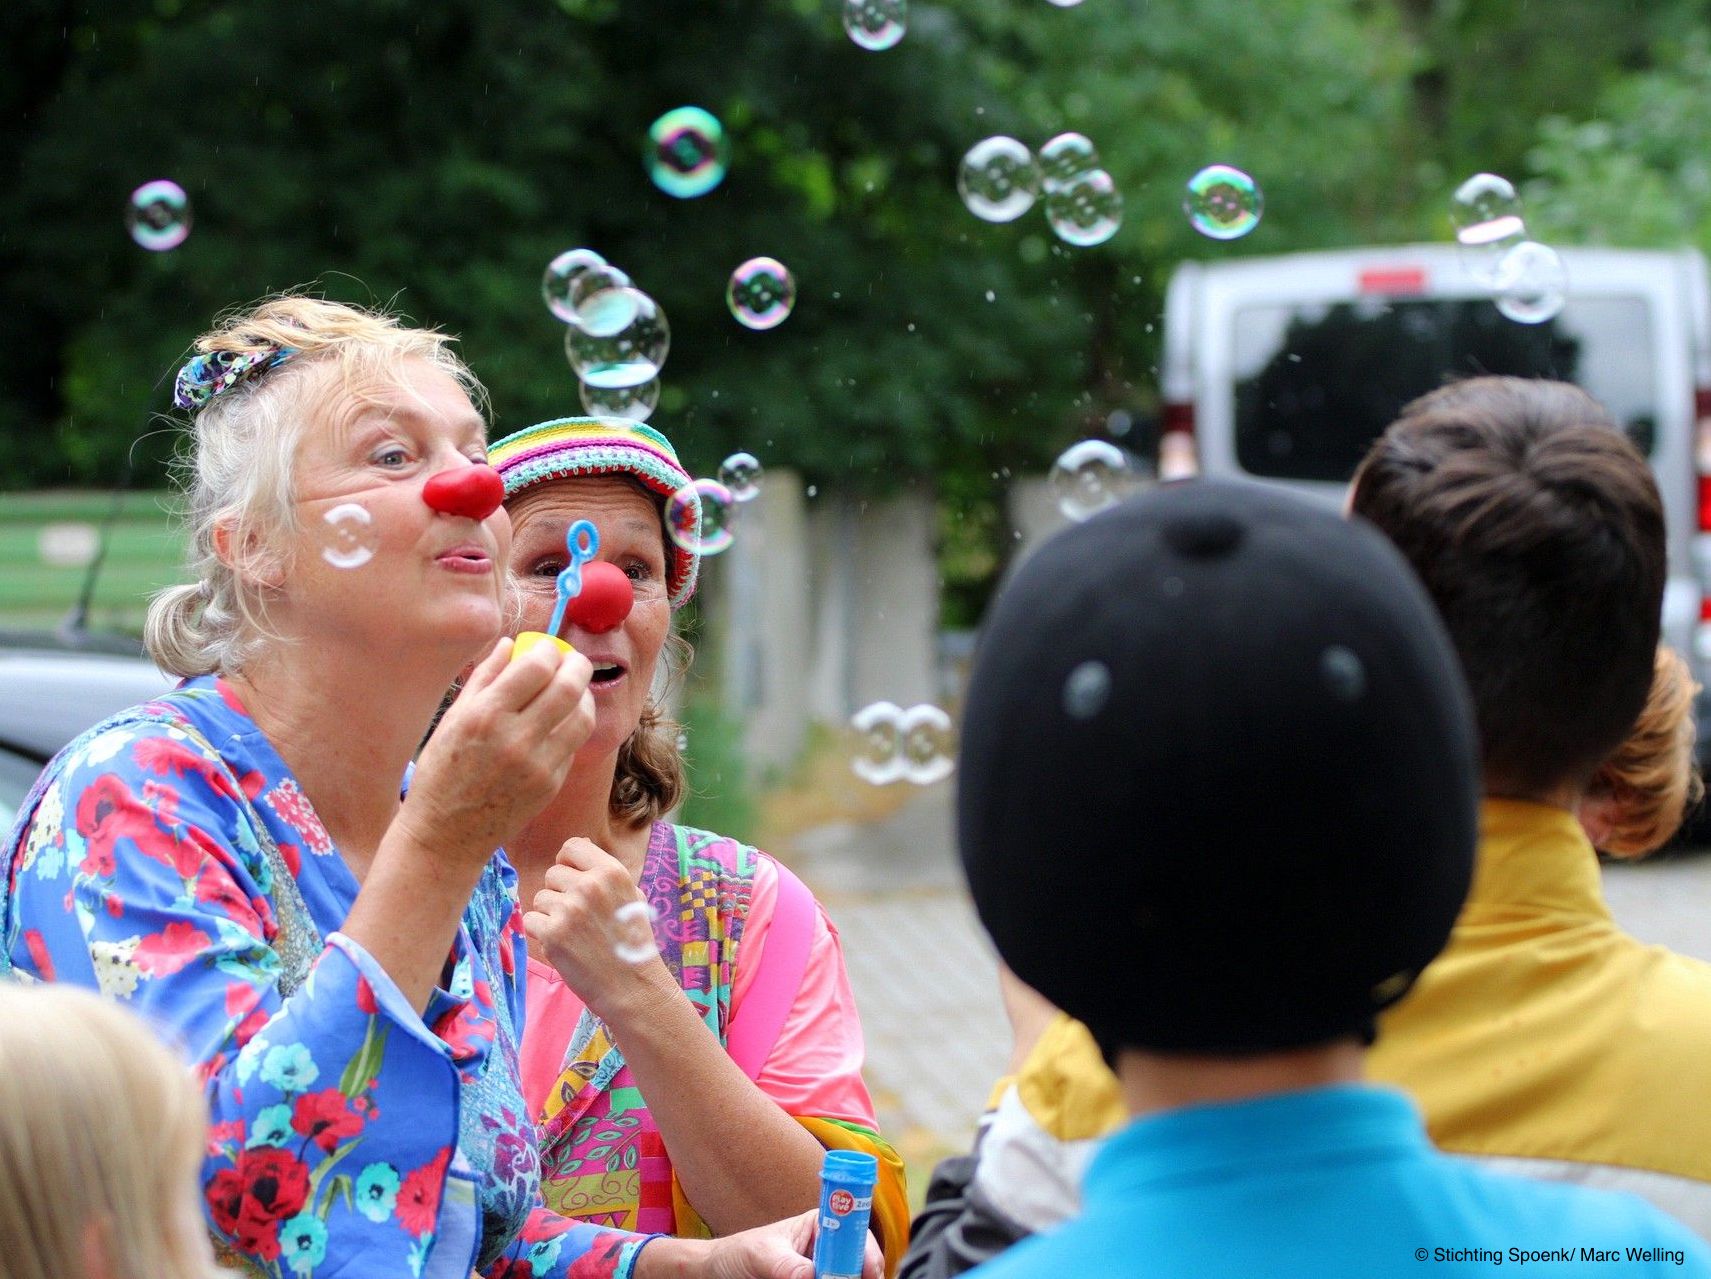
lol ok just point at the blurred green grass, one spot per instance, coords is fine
(145, 551)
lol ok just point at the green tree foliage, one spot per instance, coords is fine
(435, 157)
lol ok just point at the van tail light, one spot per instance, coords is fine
(1178, 458)
(1702, 453)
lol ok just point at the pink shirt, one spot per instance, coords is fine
(815, 1067)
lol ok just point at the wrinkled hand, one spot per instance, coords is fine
(501, 751)
(574, 921)
(783, 1250)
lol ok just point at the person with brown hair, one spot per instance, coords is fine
(1640, 796)
(1544, 1038)
(692, 1087)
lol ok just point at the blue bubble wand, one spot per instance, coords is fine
(581, 544)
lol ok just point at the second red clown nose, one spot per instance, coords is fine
(605, 600)
(472, 491)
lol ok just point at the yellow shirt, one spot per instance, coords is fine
(1544, 1031)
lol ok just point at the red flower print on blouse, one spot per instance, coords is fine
(419, 1197)
(243, 1007)
(365, 996)
(107, 812)
(326, 1117)
(163, 755)
(166, 952)
(248, 1202)
(37, 945)
(465, 1031)
(293, 806)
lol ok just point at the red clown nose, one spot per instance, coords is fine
(473, 491)
(606, 598)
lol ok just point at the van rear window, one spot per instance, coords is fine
(1316, 384)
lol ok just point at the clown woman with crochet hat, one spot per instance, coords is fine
(697, 1092)
(332, 937)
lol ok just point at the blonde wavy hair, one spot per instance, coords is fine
(102, 1131)
(1645, 790)
(237, 472)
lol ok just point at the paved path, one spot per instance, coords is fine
(925, 977)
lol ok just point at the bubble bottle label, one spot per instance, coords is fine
(846, 1200)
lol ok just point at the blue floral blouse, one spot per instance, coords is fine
(169, 859)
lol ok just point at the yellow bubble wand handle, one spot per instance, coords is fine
(582, 543)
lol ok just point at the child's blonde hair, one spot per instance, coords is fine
(102, 1129)
(239, 467)
(1648, 787)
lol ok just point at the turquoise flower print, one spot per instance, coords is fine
(289, 1068)
(544, 1255)
(303, 1243)
(377, 1191)
(272, 1127)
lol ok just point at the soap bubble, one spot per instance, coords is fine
(1064, 159)
(1486, 210)
(633, 932)
(928, 745)
(876, 24)
(560, 278)
(1531, 284)
(602, 300)
(998, 179)
(349, 538)
(632, 402)
(158, 216)
(1086, 212)
(701, 517)
(879, 750)
(761, 293)
(741, 474)
(1089, 477)
(1086, 690)
(628, 357)
(687, 152)
(1223, 203)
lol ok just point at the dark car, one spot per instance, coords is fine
(52, 687)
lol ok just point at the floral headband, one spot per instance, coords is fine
(205, 376)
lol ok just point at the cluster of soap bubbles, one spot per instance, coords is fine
(1528, 280)
(702, 515)
(1223, 203)
(1090, 477)
(1000, 179)
(895, 745)
(616, 337)
(158, 216)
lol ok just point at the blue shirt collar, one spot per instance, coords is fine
(1257, 1137)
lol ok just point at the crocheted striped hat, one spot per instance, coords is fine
(572, 446)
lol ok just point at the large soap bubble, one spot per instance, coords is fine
(876, 25)
(1087, 211)
(158, 216)
(1531, 283)
(998, 179)
(1223, 203)
(627, 357)
(687, 152)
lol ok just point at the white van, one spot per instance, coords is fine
(1285, 369)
